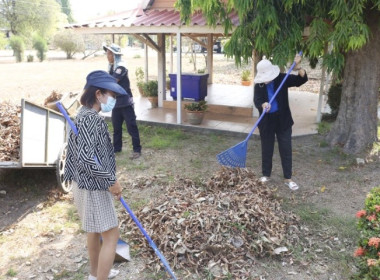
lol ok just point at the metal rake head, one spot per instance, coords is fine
(234, 156)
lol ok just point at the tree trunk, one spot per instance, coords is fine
(356, 125)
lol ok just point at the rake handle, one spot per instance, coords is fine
(273, 97)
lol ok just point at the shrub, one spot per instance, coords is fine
(368, 251)
(40, 45)
(246, 75)
(333, 98)
(197, 106)
(69, 42)
(18, 47)
(29, 58)
(150, 89)
(3, 40)
(139, 74)
(140, 79)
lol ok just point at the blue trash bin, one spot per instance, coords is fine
(194, 86)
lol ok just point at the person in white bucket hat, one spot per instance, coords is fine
(124, 110)
(277, 121)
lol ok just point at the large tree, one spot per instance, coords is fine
(275, 28)
(66, 9)
(26, 17)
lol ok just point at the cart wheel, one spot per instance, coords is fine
(61, 161)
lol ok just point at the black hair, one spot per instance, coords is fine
(88, 97)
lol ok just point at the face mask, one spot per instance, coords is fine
(109, 105)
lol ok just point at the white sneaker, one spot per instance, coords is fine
(113, 273)
(263, 179)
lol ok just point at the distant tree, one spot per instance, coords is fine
(69, 42)
(93, 43)
(26, 17)
(3, 40)
(18, 47)
(275, 28)
(40, 45)
(66, 9)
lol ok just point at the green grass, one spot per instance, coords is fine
(316, 217)
(80, 274)
(321, 219)
(138, 203)
(11, 272)
(324, 127)
(162, 138)
(311, 215)
(375, 150)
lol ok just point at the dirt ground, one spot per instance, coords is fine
(39, 233)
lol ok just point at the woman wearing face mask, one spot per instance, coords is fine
(90, 166)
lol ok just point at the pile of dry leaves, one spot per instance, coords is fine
(219, 227)
(53, 97)
(9, 131)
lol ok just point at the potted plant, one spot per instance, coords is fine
(195, 111)
(246, 79)
(150, 90)
(168, 83)
(140, 79)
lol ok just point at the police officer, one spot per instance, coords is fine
(124, 108)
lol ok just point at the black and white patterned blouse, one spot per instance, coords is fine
(92, 144)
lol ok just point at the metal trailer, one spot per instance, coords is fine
(43, 141)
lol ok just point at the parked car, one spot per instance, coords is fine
(217, 47)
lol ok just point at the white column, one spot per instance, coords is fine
(210, 58)
(179, 73)
(171, 54)
(146, 62)
(161, 77)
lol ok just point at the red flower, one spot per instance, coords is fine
(377, 208)
(371, 218)
(374, 241)
(359, 252)
(361, 213)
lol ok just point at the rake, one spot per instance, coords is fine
(129, 210)
(236, 155)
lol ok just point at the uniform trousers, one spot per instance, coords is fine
(127, 114)
(271, 130)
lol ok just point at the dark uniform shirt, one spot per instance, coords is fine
(121, 74)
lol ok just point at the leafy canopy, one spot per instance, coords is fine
(33, 16)
(275, 28)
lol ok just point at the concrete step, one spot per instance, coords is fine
(214, 108)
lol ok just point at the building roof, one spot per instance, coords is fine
(152, 22)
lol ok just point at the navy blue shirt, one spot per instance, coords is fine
(121, 74)
(270, 90)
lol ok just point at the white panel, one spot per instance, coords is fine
(43, 133)
(33, 134)
(56, 136)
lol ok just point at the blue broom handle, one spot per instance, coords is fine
(150, 241)
(64, 113)
(129, 210)
(273, 97)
